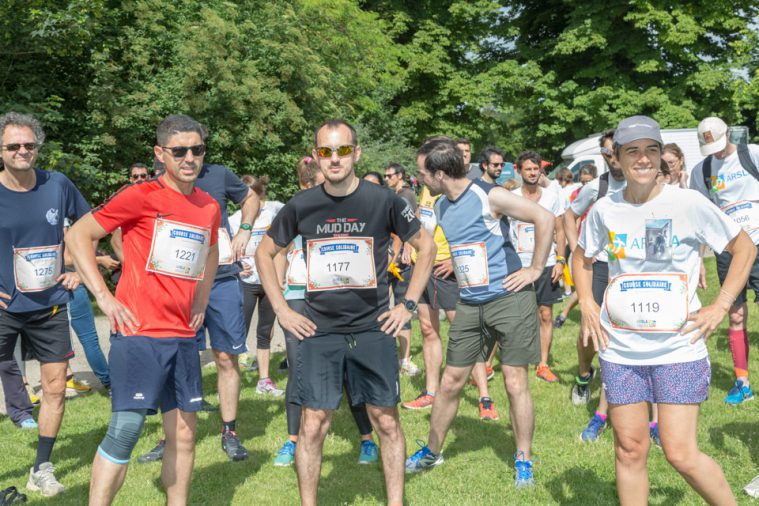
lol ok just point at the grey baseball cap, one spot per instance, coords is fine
(635, 128)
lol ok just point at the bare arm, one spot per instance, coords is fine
(79, 243)
(590, 325)
(203, 289)
(300, 326)
(506, 203)
(280, 264)
(249, 210)
(561, 247)
(571, 228)
(396, 318)
(117, 244)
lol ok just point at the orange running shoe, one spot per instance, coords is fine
(489, 372)
(424, 400)
(487, 409)
(544, 372)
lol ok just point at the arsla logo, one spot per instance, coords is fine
(341, 226)
(616, 246)
(52, 216)
(718, 183)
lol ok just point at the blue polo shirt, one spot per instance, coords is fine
(224, 186)
(34, 219)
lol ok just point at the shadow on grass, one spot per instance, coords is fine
(579, 485)
(208, 486)
(743, 431)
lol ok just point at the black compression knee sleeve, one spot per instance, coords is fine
(123, 433)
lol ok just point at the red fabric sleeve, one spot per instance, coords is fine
(120, 209)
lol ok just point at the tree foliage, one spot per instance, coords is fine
(262, 75)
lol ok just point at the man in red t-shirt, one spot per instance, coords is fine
(170, 256)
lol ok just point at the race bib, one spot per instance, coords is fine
(225, 247)
(745, 213)
(178, 250)
(296, 270)
(37, 269)
(654, 302)
(428, 219)
(470, 262)
(525, 237)
(341, 262)
(256, 236)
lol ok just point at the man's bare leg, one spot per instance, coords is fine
(520, 407)
(228, 384)
(53, 379)
(179, 455)
(308, 453)
(446, 404)
(107, 479)
(393, 447)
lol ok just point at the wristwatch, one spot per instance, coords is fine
(410, 305)
(246, 226)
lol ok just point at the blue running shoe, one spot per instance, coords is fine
(653, 431)
(523, 468)
(423, 459)
(285, 455)
(595, 427)
(27, 424)
(369, 452)
(739, 393)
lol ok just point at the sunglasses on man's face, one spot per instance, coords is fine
(29, 146)
(496, 165)
(139, 176)
(326, 152)
(181, 151)
(388, 176)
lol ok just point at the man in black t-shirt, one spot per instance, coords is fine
(347, 328)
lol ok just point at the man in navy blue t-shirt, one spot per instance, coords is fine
(34, 290)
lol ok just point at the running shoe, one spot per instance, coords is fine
(27, 424)
(369, 453)
(595, 427)
(268, 387)
(409, 368)
(581, 388)
(752, 489)
(559, 321)
(153, 455)
(523, 468)
(207, 406)
(286, 455)
(487, 409)
(653, 431)
(423, 459)
(74, 386)
(231, 444)
(490, 373)
(739, 393)
(422, 401)
(43, 481)
(546, 374)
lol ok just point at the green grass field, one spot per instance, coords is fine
(478, 467)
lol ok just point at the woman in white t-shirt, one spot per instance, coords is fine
(253, 291)
(652, 327)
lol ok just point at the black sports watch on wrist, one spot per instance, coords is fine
(410, 305)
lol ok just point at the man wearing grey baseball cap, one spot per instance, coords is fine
(728, 177)
(651, 328)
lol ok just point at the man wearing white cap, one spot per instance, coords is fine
(728, 177)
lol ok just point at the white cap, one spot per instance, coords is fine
(712, 135)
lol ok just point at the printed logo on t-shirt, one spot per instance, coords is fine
(341, 226)
(408, 213)
(658, 239)
(718, 183)
(616, 247)
(52, 216)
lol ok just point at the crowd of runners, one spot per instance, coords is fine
(345, 264)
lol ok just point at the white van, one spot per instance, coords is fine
(588, 150)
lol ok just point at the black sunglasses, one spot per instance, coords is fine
(29, 146)
(139, 176)
(181, 151)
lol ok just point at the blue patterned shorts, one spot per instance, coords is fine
(681, 383)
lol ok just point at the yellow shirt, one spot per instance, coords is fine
(429, 222)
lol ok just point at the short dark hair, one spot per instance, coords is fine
(464, 140)
(565, 173)
(528, 155)
(376, 175)
(23, 120)
(334, 124)
(608, 134)
(139, 166)
(444, 156)
(397, 167)
(437, 138)
(487, 153)
(177, 123)
(589, 169)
